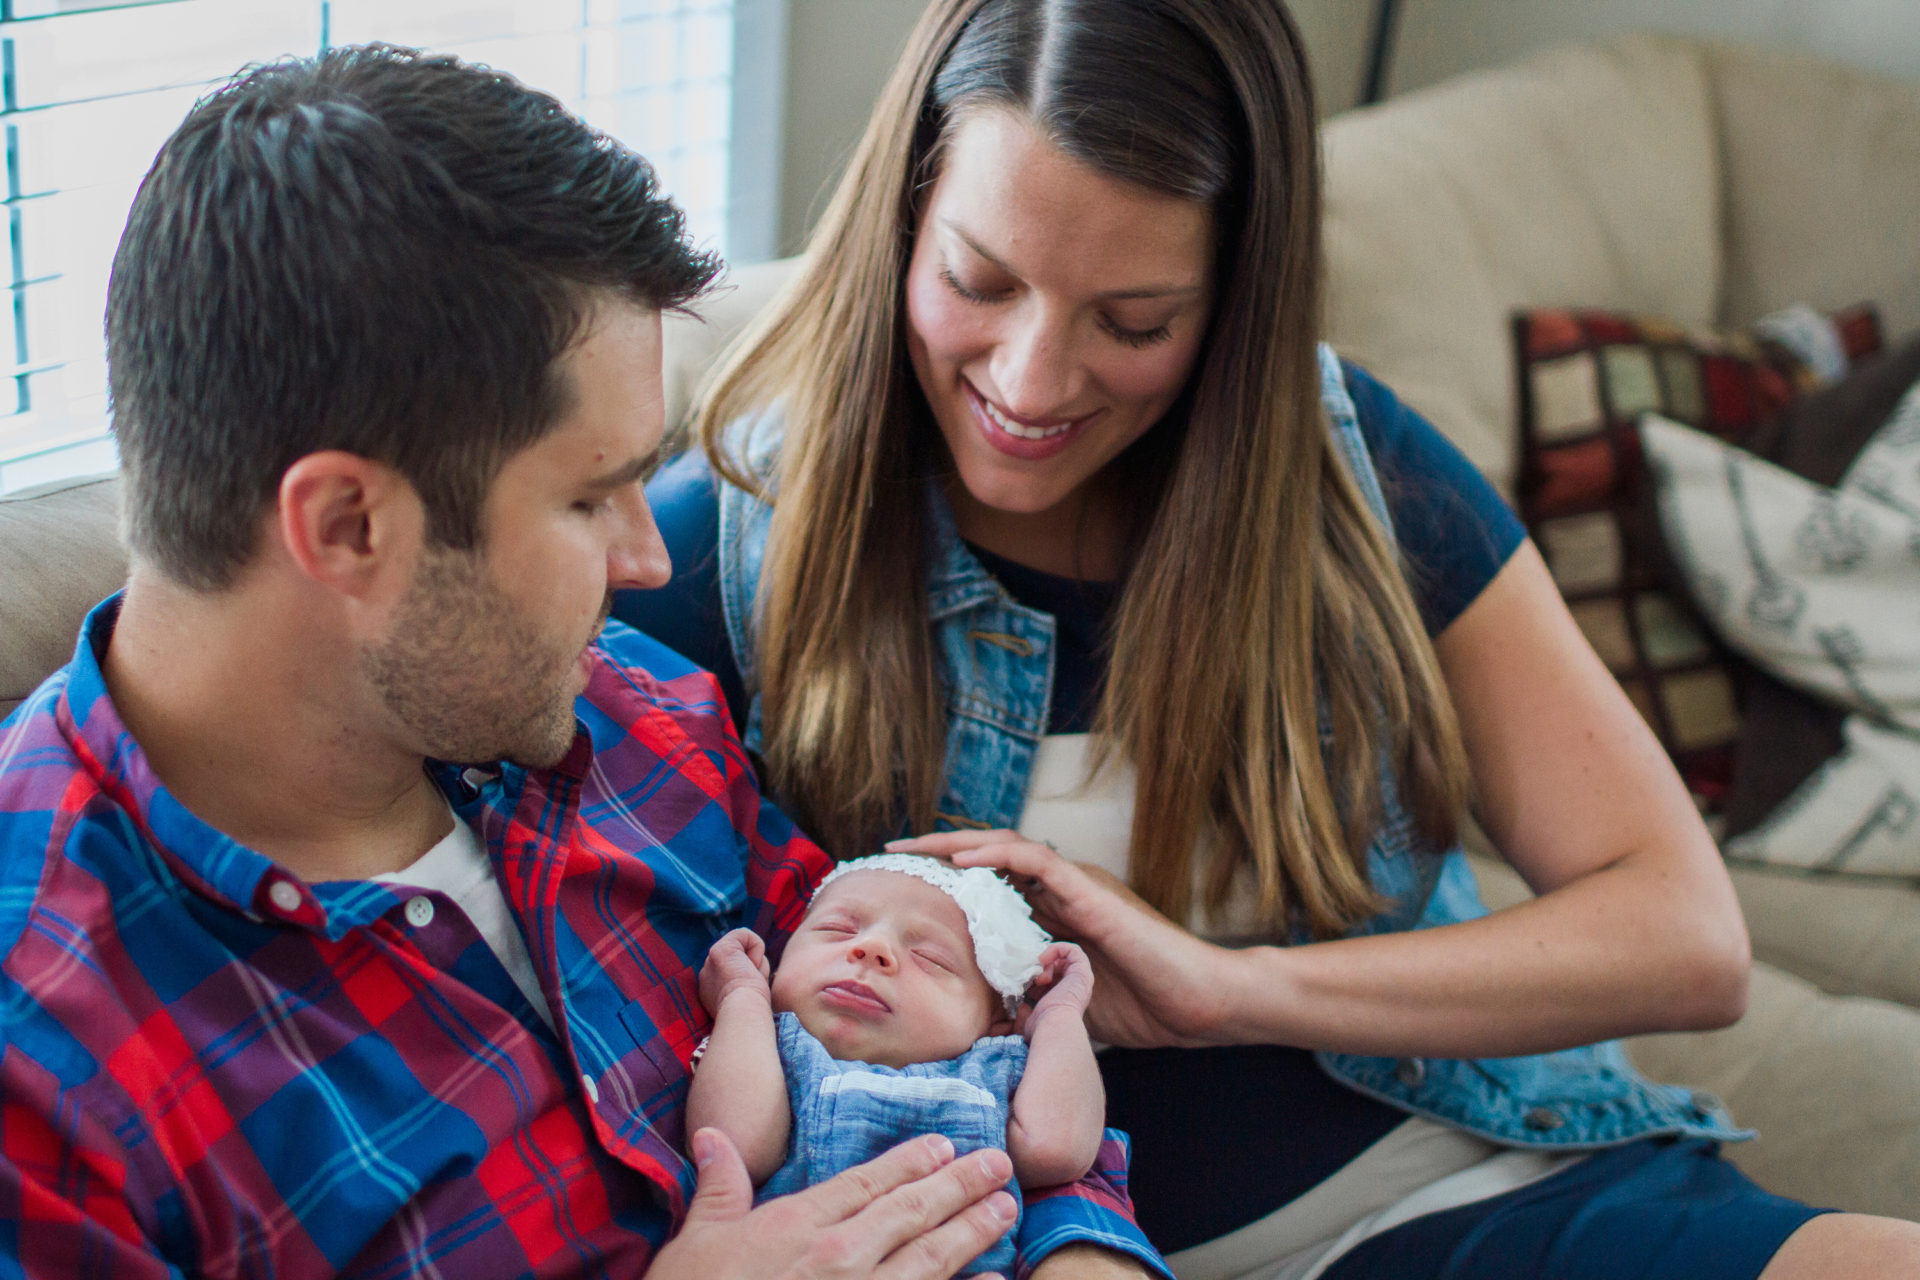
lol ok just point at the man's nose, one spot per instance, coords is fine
(1037, 368)
(638, 557)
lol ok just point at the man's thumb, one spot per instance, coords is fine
(725, 1192)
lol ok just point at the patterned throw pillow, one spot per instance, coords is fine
(1786, 734)
(1586, 377)
(1821, 587)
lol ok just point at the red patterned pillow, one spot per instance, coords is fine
(1585, 379)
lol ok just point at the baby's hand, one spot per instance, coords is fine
(1067, 977)
(737, 962)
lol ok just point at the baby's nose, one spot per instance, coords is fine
(873, 952)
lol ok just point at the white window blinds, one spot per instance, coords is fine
(89, 91)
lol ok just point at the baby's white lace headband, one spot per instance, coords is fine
(1006, 942)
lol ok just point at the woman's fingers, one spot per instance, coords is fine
(944, 844)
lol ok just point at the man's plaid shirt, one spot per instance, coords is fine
(213, 1068)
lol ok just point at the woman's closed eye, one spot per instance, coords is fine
(1127, 334)
(1136, 337)
(969, 292)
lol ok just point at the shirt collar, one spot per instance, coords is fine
(207, 859)
(956, 580)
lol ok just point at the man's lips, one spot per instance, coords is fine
(855, 996)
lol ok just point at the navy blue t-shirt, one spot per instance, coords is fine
(1221, 1136)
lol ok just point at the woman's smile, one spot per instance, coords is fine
(1026, 438)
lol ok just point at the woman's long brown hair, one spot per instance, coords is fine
(1267, 664)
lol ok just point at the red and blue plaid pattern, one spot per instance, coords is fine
(213, 1068)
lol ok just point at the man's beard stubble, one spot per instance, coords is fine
(473, 679)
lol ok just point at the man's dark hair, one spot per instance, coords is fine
(375, 250)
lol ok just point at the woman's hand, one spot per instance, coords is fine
(1155, 983)
(738, 962)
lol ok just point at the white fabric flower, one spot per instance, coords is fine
(1006, 942)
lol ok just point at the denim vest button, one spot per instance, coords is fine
(1410, 1072)
(1543, 1120)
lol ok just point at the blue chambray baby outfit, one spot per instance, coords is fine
(846, 1113)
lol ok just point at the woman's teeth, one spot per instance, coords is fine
(1018, 431)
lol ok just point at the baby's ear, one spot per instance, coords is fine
(1015, 1023)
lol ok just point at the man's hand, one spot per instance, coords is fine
(737, 962)
(914, 1213)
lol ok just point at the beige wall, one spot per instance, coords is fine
(1440, 38)
(841, 50)
(839, 54)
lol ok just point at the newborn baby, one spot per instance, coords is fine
(893, 1015)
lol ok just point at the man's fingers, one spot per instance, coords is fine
(952, 1245)
(843, 1196)
(918, 1208)
(725, 1192)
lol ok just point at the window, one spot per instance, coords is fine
(89, 89)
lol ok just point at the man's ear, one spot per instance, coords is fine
(348, 522)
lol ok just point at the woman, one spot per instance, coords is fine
(1034, 505)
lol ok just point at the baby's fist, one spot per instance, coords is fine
(737, 962)
(1067, 976)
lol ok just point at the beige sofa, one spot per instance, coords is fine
(1655, 175)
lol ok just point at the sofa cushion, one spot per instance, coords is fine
(1586, 176)
(1827, 1080)
(692, 341)
(1785, 734)
(1821, 587)
(60, 555)
(1585, 377)
(1822, 171)
(1847, 936)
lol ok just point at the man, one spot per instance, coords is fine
(286, 993)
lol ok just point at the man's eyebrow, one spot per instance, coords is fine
(626, 473)
(1117, 295)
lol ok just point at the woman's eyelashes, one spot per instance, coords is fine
(1113, 328)
(968, 292)
(1137, 337)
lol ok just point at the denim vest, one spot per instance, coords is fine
(996, 663)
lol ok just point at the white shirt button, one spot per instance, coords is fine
(284, 895)
(420, 911)
(593, 1090)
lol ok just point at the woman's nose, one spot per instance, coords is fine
(1037, 369)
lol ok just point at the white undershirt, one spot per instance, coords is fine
(459, 867)
(1419, 1167)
